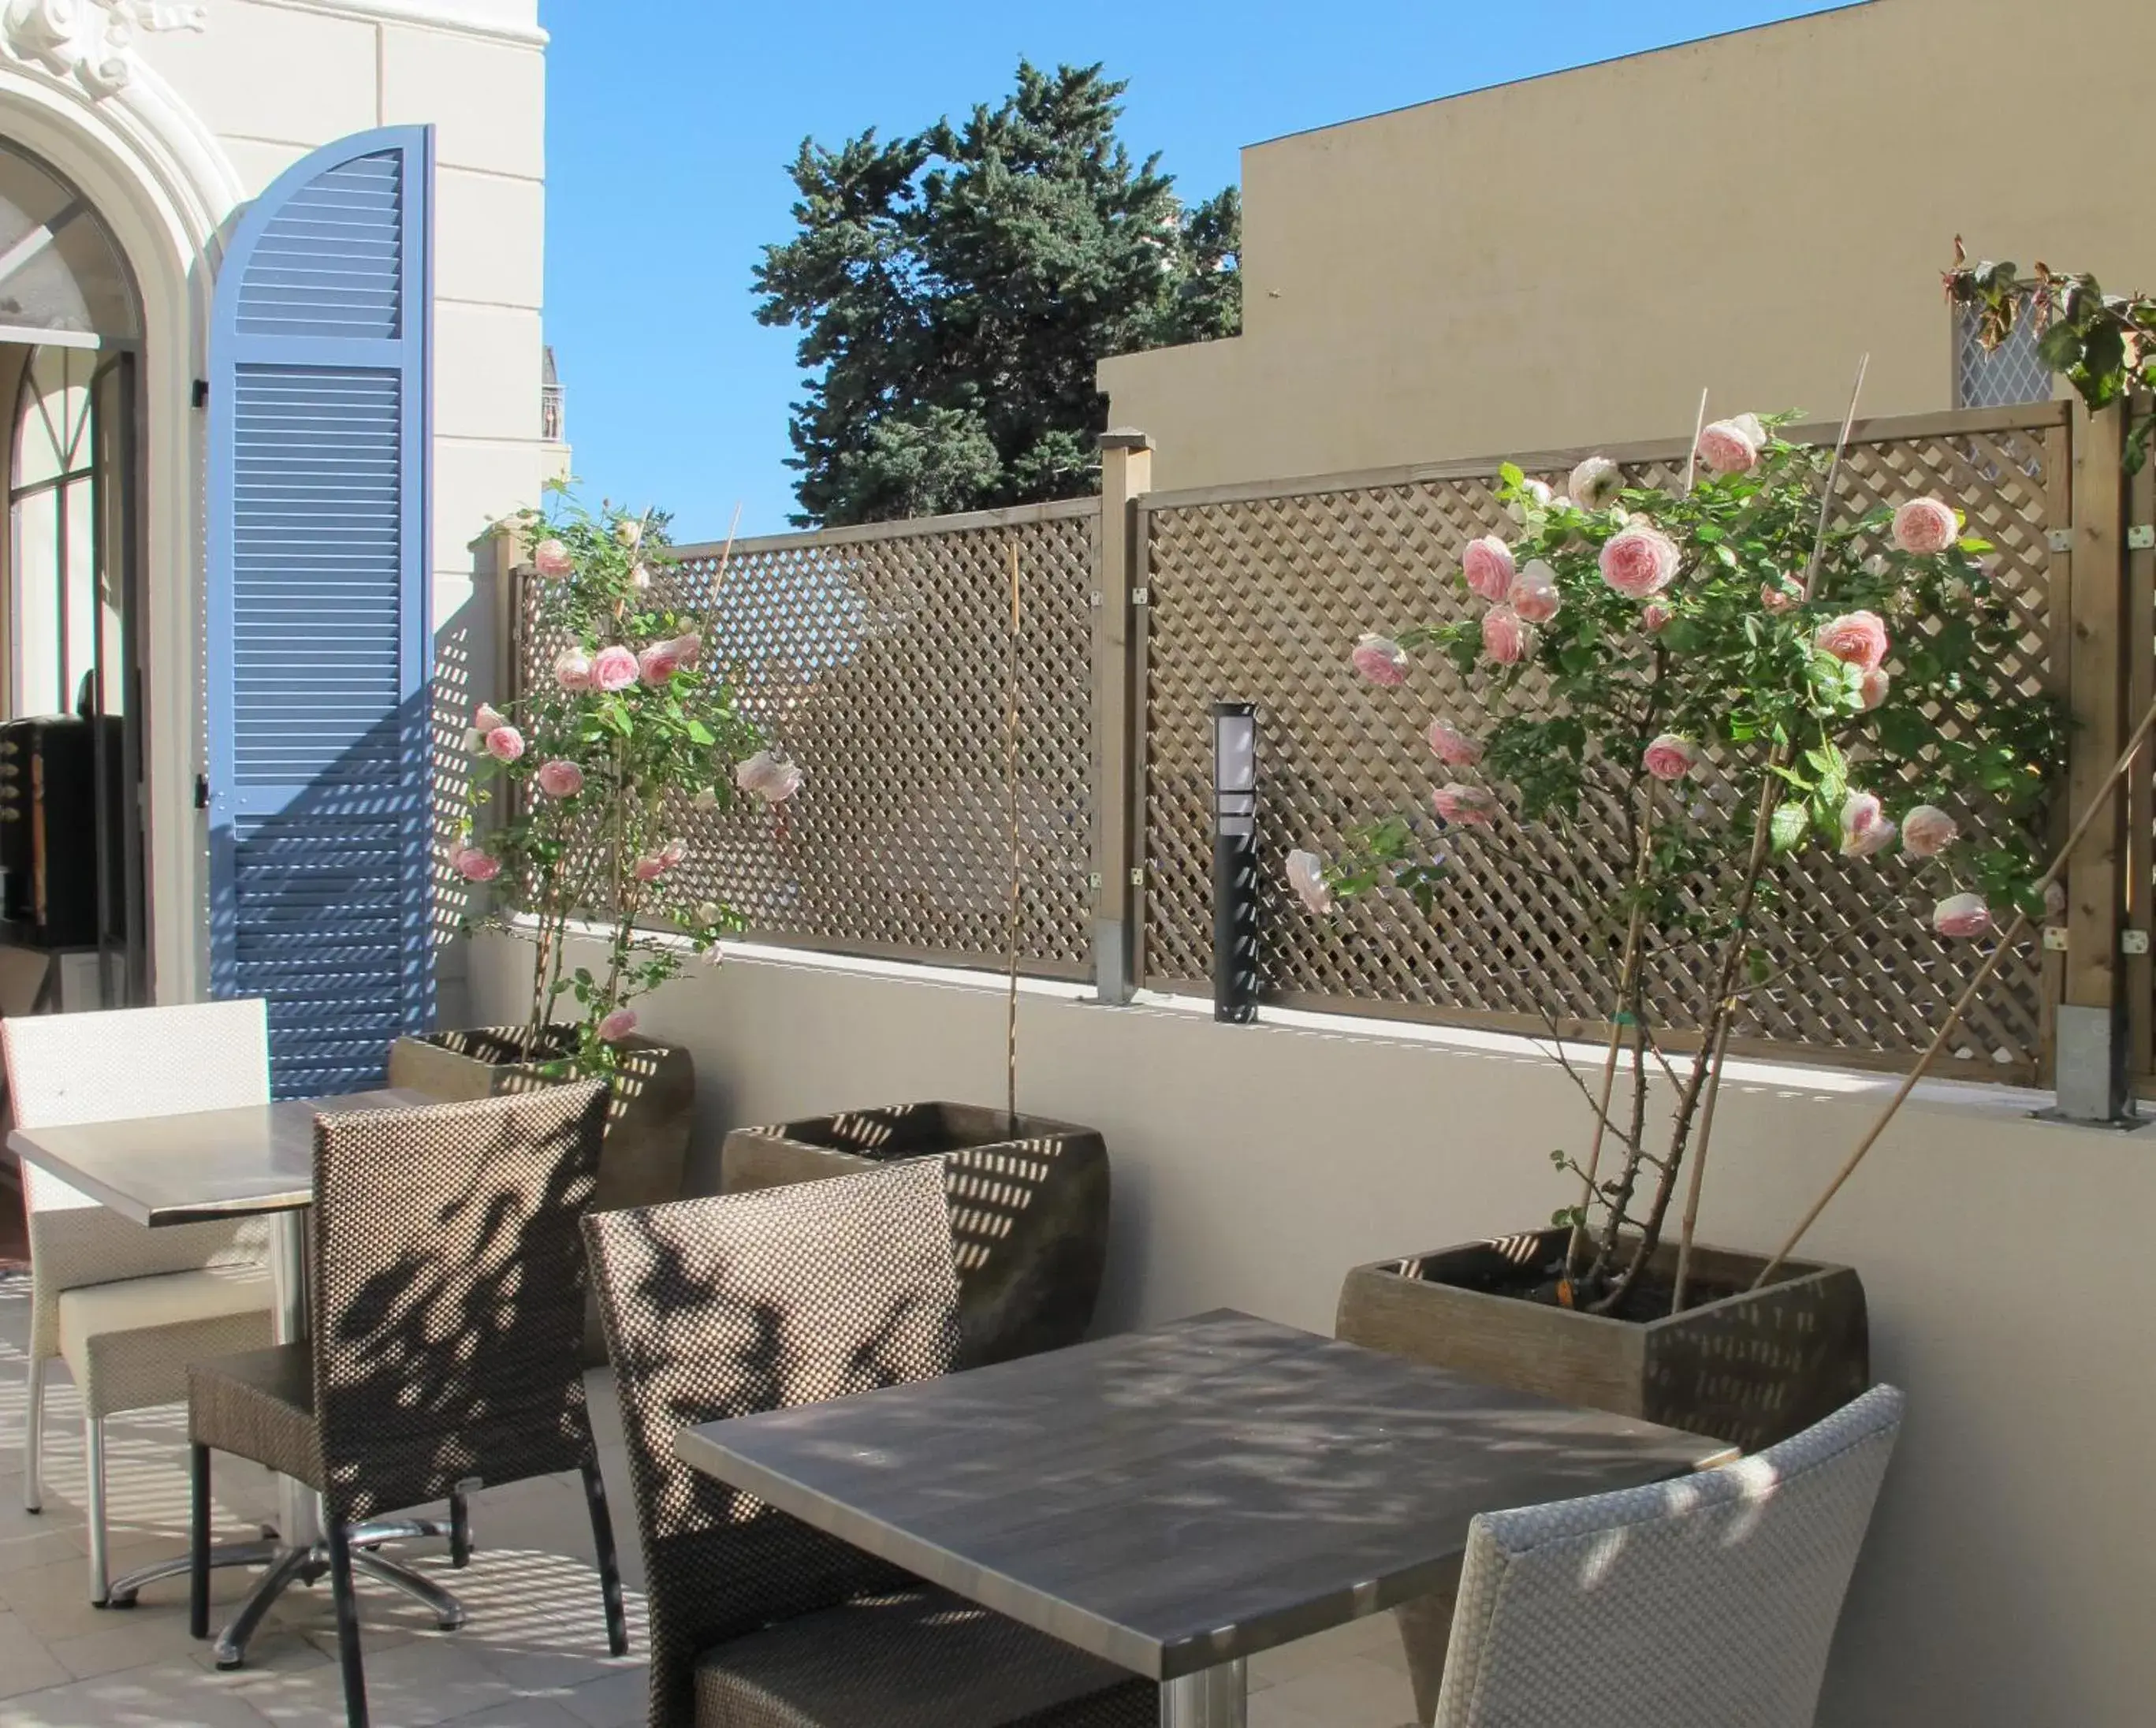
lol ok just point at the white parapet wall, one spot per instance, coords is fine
(2012, 1285)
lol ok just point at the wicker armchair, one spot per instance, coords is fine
(1706, 1602)
(722, 1307)
(447, 1310)
(127, 1308)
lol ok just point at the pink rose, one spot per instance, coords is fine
(1671, 757)
(687, 646)
(1640, 561)
(1962, 915)
(1488, 562)
(652, 865)
(1655, 617)
(474, 865)
(1306, 875)
(1534, 593)
(1925, 527)
(552, 560)
(1865, 828)
(769, 776)
(505, 744)
(1727, 447)
(617, 1026)
(1777, 597)
(487, 717)
(614, 670)
(640, 577)
(1468, 805)
(1506, 639)
(1596, 483)
(673, 853)
(1856, 638)
(1455, 748)
(658, 663)
(1926, 831)
(573, 669)
(1382, 660)
(560, 778)
(1872, 692)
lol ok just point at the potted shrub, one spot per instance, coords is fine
(595, 772)
(1744, 681)
(1029, 1196)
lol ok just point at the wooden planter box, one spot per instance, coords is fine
(1028, 1206)
(646, 1153)
(1745, 1367)
(1751, 1368)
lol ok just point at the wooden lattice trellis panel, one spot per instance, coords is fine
(878, 660)
(1258, 597)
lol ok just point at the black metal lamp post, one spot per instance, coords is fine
(1235, 861)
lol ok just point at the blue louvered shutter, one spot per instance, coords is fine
(319, 642)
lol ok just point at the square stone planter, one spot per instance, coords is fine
(1028, 1202)
(652, 1110)
(1748, 1368)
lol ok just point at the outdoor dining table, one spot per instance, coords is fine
(221, 1164)
(1175, 1501)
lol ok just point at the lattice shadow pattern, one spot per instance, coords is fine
(878, 658)
(1259, 598)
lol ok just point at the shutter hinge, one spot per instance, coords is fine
(2142, 539)
(2060, 540)
(202, 792)
(2055, 938)
(202, 392)
(1137, 877)
(2133, 941)
(1140, 597)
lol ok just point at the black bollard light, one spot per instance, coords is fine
(1235, 861)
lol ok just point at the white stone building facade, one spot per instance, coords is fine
(166, 121)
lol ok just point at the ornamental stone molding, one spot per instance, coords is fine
(91, 42)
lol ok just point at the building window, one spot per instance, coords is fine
(2002, 377)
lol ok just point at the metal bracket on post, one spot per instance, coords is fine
(2091, 1078)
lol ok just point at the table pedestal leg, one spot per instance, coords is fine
(1214, 1698)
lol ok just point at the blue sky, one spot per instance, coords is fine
(670, 123)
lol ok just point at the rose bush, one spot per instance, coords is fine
(598, 767)
(1749, 683)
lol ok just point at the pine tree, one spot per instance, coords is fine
(957, 288)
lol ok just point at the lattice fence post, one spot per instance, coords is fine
(2141, 785)
(2092, 1076)
(1126, 476)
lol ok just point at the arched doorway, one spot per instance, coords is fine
(71, 724)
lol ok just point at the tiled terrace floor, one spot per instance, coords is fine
(531, 1655)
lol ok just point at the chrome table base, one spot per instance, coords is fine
(284, 1565)
(1213, 1698)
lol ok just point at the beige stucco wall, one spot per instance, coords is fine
(1572, 259)
(2008, 1576)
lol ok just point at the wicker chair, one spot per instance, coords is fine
(127, 1308)
(447, 1310)
(1706, 1602)
(722, 1307)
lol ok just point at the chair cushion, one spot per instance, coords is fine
(128, 1343)
(922, 1658)
(259, 1405)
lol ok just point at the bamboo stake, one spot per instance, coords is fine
(2097, 804)
(1691, 458)
(1010, 796)
(1717, 1054)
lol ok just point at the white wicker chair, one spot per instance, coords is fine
(1706, 1602)
(127, 1308)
